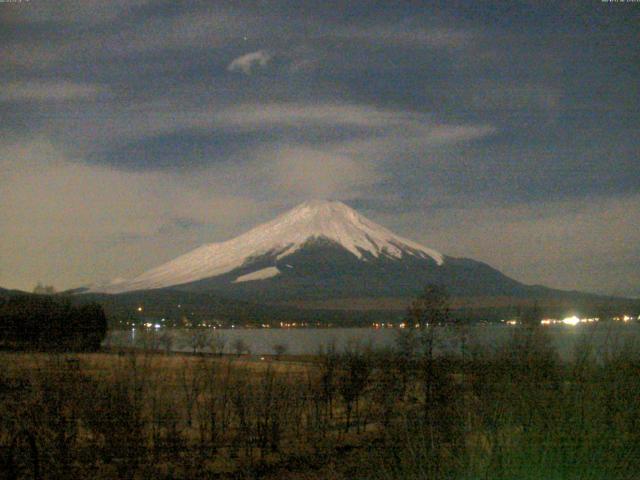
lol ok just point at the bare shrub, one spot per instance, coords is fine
(279, 349)
(197, 339)
(353, 377)
(240, 346)
(166, 340)
(217, 343)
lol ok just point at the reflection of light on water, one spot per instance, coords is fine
(309, 341)
(568, 320)
(571, 320)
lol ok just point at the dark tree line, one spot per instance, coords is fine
(49, 323)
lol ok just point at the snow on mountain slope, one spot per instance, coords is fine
(258, 275)
(280, 237)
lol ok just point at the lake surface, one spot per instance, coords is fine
(304, 341)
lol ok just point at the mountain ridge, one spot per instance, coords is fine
(321, 254)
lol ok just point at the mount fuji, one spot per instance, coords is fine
(262, 252)
(323, 252)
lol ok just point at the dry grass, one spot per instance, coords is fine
(516, 413)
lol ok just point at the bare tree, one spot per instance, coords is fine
(189, 377)
(198, 339)
(166, 340)
(217, 342)
(328, 366)
(279, 349)
(240, 346)
(428, 310)
(352, 381)
(147, 340)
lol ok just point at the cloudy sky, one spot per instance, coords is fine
(133, 131)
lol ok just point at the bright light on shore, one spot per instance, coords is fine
(571, 320)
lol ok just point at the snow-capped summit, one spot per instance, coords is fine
(314, 220)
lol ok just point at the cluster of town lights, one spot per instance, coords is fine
(572, 320)
(289, 325)
(377, 325)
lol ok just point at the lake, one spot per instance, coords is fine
(303, 341)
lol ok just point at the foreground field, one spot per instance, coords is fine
(516, 413)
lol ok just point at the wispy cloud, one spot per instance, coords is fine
(407, 35)
(49, 91)
(209, 29)
(295, 114)
(299, 173)
(179, 225)
(107, 128)
(71, 11)
(81, 223)
(250, 61)
(334, 115)
(516, 96)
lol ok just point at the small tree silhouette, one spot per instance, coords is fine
(279, 349)
(198, 339)
(429, 309)
(166, 340)
(217, 342)
(240, 346)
